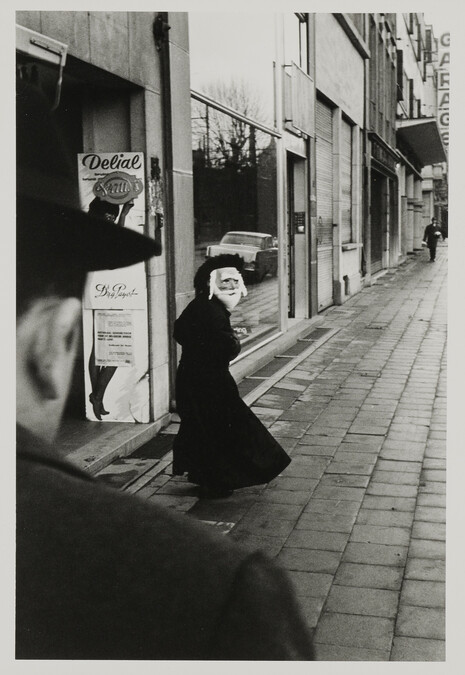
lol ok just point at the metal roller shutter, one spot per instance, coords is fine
(377, 221)
(346, 182)
(324, 197)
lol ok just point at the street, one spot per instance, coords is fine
(358, 517)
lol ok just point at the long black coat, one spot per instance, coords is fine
(432, 235)
(220, 441)
(101, 574)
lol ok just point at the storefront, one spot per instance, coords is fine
(339, 119)
(250, 155)
(112, 125)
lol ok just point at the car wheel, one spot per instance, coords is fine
(260, 275)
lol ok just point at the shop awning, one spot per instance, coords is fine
(423, 138)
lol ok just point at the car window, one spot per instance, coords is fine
(244, 239)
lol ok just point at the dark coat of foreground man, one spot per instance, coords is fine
(101, 574)
(104, 575)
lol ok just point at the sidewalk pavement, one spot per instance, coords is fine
(358, 517)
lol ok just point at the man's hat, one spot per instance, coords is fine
(51, 225)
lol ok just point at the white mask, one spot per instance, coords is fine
(227, 284)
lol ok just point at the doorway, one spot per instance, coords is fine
(297, 240)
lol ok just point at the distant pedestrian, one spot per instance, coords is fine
(431, 238)
(221, 444)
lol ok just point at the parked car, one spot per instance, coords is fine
(258, 250)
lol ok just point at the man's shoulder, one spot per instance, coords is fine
(75, 537)
(58, 484)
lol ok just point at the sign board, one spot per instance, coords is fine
(443, 75)
(115, 327)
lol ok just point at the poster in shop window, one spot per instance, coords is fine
(114, 338)
(115, 332)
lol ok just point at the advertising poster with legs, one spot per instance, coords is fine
(115, 336)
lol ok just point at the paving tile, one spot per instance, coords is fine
(275, 511)
(264, 525)
(374, 441)
(370, 429)
(374, 419)
(425, 548)
(423, 593)
(369, 576)
(320, 430)
(337, 653)
(424, 622)
(319, 540)
(373, 534)
(362, 600)
(435, 475)
(306, 560)
(397, 477)
(290, 429)
(290, 386)
(434, 463)
(343, 480)
(432, 488)
(388, 503)
(354, 631)
(391, 489)
(375, 554)
(402, 453)
(417, 435)
(430, 514)
(398, 466)
(271, 402)
(311, 584)
(385, 518)
(332, 506)
(325, 522)
(315, 450)
(425, 569)
(435, 531)
(300, 414)
(339, 493)
(418, 649)
(320, 440)
(350, 453)
(277, 496)
(347, 468)
(436, 451)
(227, 510)
(299, 469)
(292, 483)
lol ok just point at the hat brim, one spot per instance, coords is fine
(68, 236)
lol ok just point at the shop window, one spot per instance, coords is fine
(235, 210)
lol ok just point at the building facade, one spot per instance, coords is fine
(294, 133)
(419, 142)
(437, 100)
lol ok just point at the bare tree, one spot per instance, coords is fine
(226, 140)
